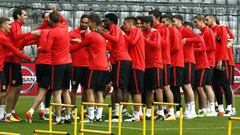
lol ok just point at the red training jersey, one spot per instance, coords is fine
(80, 57)
(153, 55)
(136, 48)
(210, 43)
(177, 58)
(96, 45)
(165, 42)
(201, 55)
(118, 43)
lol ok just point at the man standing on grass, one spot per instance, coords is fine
(221, 75)
(136, 49)
(98, 66)
(5, 45)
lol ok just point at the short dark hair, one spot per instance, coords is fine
(179, 17)
(16, 12)
(112, 17)
(167, 16)
(139, 18)
(147, 19)
(3, 20)
(84, 16)
(156, 13)
(94, 17)
(190, 24)
(199, 17)
(43, 14)
(131, 19)
(54, 17)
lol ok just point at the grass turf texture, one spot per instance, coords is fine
(198, 126)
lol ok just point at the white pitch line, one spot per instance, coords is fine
(165, 129)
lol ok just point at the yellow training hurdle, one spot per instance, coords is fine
(82, 130)
(50, 131)
(168, 104)
(120, 116)
(8, 133)
(229, 131)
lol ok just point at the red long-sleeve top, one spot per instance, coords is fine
(5, 46)
(112, 58)
(118, 43)
(230, 49)
(80, 57)
(96, 45)
(210, 43)
(46, 57)
(177, 58)
(18, 39)
(153, 55)
(188, 48)
(201, 55)
(165, 42)
(136, 48)
(58, 43)
(221, 43)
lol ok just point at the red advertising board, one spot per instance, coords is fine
(236, 86)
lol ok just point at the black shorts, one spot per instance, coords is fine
(200, 77)
(105, 80)
(176, 77)
(153, 79)
(113, 73)
(79, 76)
(166, 74)
(61, 75)
(13, 74)
(97, 80)
(123, 74)
(3, 83)
(231, 74)
(221, 77)
(189, 73)
(209, 76)
(43, 73)
(136, 82)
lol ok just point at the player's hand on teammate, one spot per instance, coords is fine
(32, 59)
(184, 41)
(36, 32)
(76, 40)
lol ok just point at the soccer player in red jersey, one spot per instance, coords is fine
(153, 76)
(12, 66)
(188, 38)
(209, 40)
(58, 43)
(177, 60)
(139, 22)
(98, 65)
(115, 37)
(5, 47)
(80, 59)
(166, 58)
(221, 74)
(136, 49)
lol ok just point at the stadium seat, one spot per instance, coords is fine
(232, 2)
(221, 1)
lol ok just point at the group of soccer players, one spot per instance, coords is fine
(148, 58)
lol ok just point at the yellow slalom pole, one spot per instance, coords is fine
(50, 118)
(152, 120)
(229, 132)
(82, 120)
(134, 104)
(144, 120)
(181, 121)
(235, 118)
(110, 119)
(120, 119)
(75, 121)
(66, 105)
